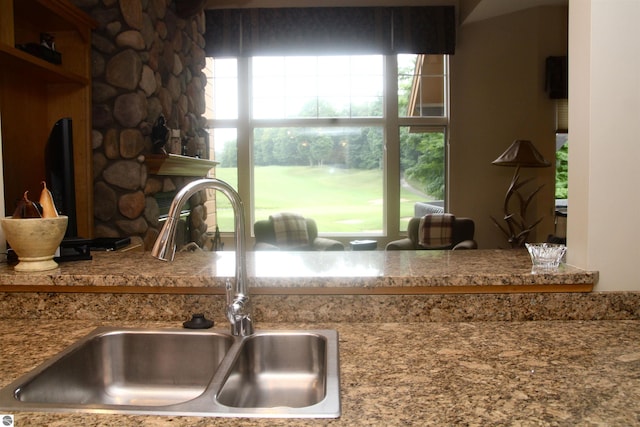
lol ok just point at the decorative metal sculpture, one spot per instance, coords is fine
(521, 153)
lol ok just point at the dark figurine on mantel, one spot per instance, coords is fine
(160, 135)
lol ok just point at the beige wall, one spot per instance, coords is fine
(604, 121)
(497, 96)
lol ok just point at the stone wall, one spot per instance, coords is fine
(146, 61)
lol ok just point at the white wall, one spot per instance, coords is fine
(604, 148)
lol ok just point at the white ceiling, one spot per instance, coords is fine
(490, 8)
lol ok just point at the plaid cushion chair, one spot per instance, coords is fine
(437, 231)
(292, 232)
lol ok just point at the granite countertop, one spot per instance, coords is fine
(480, 373)
(370, 270)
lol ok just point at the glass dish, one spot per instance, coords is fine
(546, 256)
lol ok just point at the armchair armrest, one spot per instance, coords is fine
(400, 245)
(466, 244)
(263, 246)
(324, 244)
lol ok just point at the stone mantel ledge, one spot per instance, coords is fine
(358, 272)
(177, 165)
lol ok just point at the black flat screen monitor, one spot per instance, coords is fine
(60, 174)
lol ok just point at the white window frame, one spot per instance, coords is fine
(390, 122)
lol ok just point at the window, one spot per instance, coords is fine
(316, 87)
(319, 135)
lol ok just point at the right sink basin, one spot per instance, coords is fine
(278, 370)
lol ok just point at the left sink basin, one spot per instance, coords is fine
(141, 368)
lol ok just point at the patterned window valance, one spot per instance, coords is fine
(338, 30)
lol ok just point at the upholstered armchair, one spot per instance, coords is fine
(291, 232)
(459, 236)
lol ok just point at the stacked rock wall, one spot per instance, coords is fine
(146, 61)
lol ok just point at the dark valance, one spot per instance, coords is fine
(335, 30)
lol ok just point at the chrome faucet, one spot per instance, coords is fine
(238, 303)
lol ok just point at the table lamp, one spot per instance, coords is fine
(521, 154)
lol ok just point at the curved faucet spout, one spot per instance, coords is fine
(238, 307)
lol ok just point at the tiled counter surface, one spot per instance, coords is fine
(456, 373)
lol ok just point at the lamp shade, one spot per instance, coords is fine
(522, 153)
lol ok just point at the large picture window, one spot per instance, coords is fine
(351, 141)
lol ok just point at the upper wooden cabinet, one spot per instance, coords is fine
(35, 93)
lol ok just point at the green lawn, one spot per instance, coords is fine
(340, 200)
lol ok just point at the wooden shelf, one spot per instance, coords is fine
(35, 93)
(176, 165)
(52, 15)
(46, 71)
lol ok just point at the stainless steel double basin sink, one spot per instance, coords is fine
(283, 374)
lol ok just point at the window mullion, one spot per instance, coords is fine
(391, 196)
(245, 167)
(423, 121)
(447, 112)
(423, 135)
(328, 122)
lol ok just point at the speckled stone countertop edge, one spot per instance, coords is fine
(375, 269)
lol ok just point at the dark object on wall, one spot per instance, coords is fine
(330, 30)
(557, 77)
(160, 135)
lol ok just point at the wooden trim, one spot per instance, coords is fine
(110, 290)
(426, 290)
(409, 290)
(6, 22)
